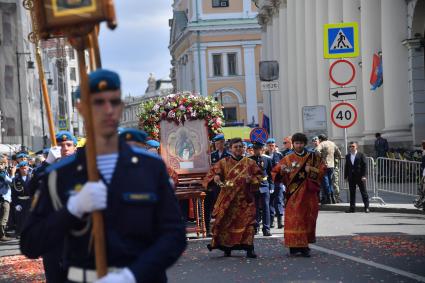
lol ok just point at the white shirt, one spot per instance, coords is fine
(353, 157)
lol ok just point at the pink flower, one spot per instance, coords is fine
(182, 108)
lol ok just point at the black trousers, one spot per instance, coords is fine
(352, 183)
(212, 193)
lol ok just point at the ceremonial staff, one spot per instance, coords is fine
(77, 23)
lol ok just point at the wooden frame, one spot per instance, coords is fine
(185, 148)
(54, 16)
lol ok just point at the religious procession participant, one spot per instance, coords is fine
(276, 197)
(250, 149)
(213, 189)
(302, 173)
(234, 211)
(143, 228)
(21, 198)
(262, 197)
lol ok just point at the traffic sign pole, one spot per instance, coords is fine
(271, 113)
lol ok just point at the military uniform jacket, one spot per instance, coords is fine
(265, 163)
(20, 188)
(143, 225)
(215, 156)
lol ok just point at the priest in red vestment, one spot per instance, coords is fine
(234, 210)
(301, 172)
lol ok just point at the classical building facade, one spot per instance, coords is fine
(215, 47)
(21, 120)
(156, 88)
(293, 35)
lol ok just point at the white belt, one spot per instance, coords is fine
(77, 274)
(24, 198)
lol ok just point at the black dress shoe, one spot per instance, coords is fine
(293, 251)
(209, 247)
(228, 253)
(350, 211)
(305, 252)
(366, 210)
(271, 225)
(251, 254)
(267, 233)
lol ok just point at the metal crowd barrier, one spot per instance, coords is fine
(398, 176)
(387, 175)
(371, 186)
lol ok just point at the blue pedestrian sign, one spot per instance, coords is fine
(341, 40)
(63, 124)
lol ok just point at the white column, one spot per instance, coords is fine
(373, 103)
(283, 70)
(351, 13)
(322, 64)
(276, 95)
(196, 70)
(335, 16)
(310, 52)
(395, 62)
(292, 66)
(250, 82)
(246, 8)
(204, 82)
(301, 67)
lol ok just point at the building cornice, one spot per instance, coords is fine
(269, 9)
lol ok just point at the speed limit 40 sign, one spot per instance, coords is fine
(344, 115)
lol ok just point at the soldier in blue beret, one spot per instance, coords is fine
(133, 136)
(153, 146)
(262, 197)
(21, 198)
(213, 190)
(143, 226)
(276, 197)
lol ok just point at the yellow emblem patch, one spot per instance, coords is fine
(64, 138)
(102, 85)
(78, 188)
(128, 136)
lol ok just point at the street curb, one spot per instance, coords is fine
(374, 208)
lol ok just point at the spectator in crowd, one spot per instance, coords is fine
(5, 197)
(329, 151)
(355, 173)
(315, 143)
(287, 146)
(381, 146)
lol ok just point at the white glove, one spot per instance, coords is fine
(92, 197)
(18, 207)
(123, 276)
(54, 154)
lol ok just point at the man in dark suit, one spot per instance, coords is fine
(355, 172)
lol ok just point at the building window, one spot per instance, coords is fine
(231, 64)
(217, 66)
(7, 29)
(10, 127)
(220, 3)
(71, 53)
(73, 74)
(8, 81)
(230, 114)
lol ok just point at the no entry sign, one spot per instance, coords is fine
(259, 135)
(344, 115)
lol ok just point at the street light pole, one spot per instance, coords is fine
(19, 94)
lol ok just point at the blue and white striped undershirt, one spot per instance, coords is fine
(106, 164)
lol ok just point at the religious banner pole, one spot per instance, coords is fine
(33, 38)
(80, 44)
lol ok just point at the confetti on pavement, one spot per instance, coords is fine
(21, 269)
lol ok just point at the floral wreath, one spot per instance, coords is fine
(179, 108)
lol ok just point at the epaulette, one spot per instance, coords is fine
(61, 163)
(145, 152)
(265, 155)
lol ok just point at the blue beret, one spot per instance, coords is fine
(103, 80)
(258, 144)
(21, 164)
(22, 155)
(219, 137)
(245, 143)
(153, 143)
(250, 145)
(65, 136)
(131, 134)
(271, 140)
(77, 93)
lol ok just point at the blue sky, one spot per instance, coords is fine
(139, 44)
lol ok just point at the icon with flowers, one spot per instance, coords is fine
(179, 108)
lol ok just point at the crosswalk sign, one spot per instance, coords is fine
(341, 40)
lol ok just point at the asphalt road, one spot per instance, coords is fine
(375, 247)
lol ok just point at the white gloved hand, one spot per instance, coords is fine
(92, 197)
(18, 207)
(123, 276)
(54, 154)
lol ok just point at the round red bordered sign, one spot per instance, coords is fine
(259, 135)
(344, 115)
(352, 76)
